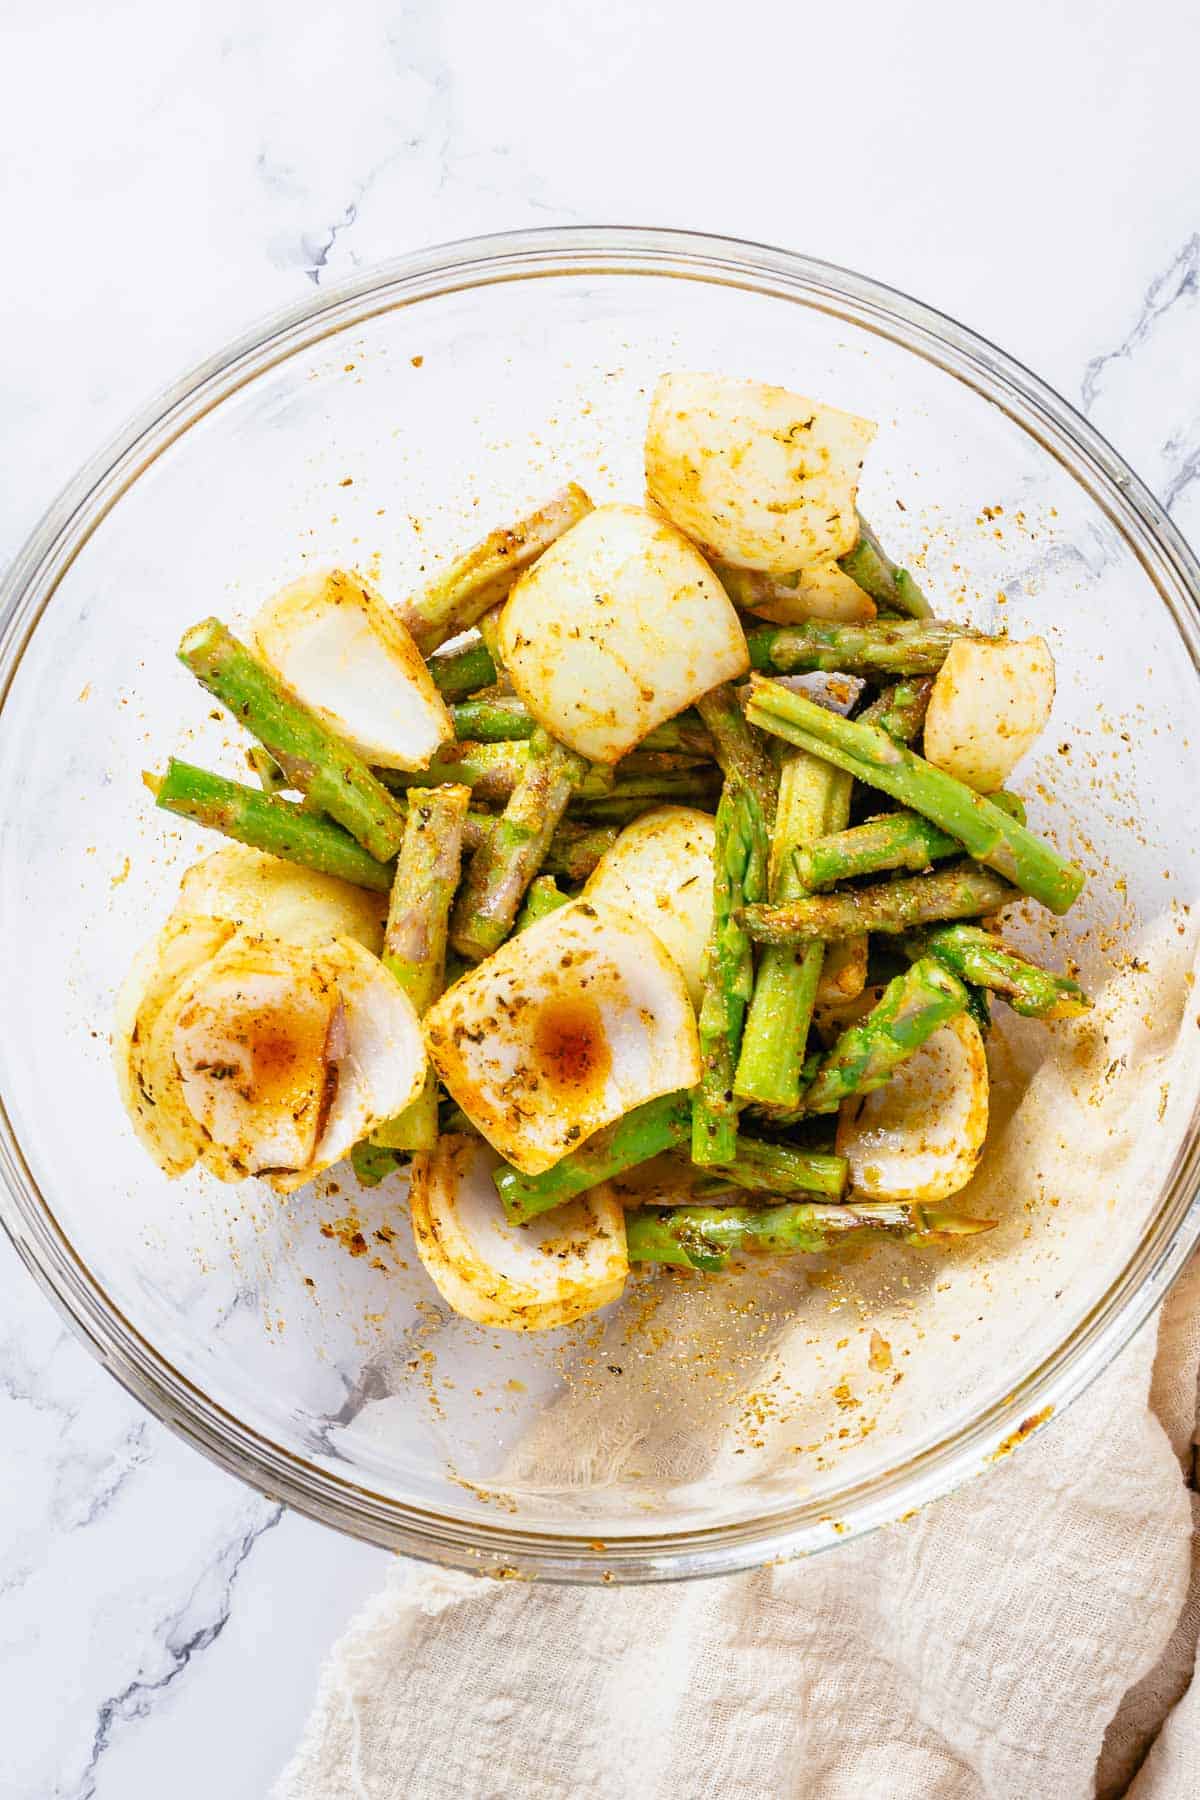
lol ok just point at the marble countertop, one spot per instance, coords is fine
(173, 172)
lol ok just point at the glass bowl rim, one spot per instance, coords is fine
(448, 1539)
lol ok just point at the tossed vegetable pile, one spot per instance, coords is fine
(635, 964)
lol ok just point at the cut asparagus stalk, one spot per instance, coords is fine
(738, 748)
(542, 899)
(631, 795)
(491, 771)
(880, 647)
(901, 840)
(977, 957)
(494, 718)
(703, 1237)
(965, 891)
(900, 709)
(463, 671)
(414, 944)
(812, 796)
(984, 829)
(265, 822)
(504, 865)
(313, 758)
(873, 569)
(739, 874)
(784, 1169)
(662, 1124)
(868, 1052)
(473, 584)
(575, 850)
(372, 1163)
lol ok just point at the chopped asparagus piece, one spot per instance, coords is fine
(542, 899)
(506, 862)
(900, 709)
(372, 1163)
(869, 1052)
(876, 574)
(739, 875)
(812, 796)
(985, 830)
(703, 1237)
(880, 647)
(473, 584)
(742, 754)
(462, 671)
(662, 1124)
(414, 945)
(977, 957)
(964, 891)
(265, 822)
(313, 758)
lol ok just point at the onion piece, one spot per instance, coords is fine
(147, 1084)
(519, 1277)
(660, 871)
(989, 703)
(566, 1028)
(921, 1136)
(343, 650)
(616, 628)
(266, 894)
(756, 475)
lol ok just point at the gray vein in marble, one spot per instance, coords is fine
(1187, 470)
(140, 1696)
(1179, 280)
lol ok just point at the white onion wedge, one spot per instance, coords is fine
(346, 654)
(660, 871)
(266, 894)
(989, 703)
(148, 1085)
(567, 1027)
(756, 475)
(380, 1061)
(253, 1043)
(617, 627)
(920, 1137)
(519, 1277)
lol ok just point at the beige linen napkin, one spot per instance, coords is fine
(1033, 1635)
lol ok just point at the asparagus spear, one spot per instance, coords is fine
(414, 943)
(474, 583)
(542, 899)
(371, 1163)
(463, 671)
(739, 876)
(702, 1237)
(784, 1169)
(812, 796)
(900, 709)
(964, 891)
(576, 849)
(491, 771)
(876, 574)
(312, 757)
(662, 1124)
(975, 956)
(494, 718)
(869, 1052)
(738, 748)
(867, 753)
(504, 865)
(266, 822)
(899, 840)
(631, 795)
(881, 647)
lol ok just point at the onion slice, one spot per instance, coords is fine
(519, 1277)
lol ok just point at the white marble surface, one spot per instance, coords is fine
(169, 173)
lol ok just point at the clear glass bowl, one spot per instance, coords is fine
(299, 1344)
